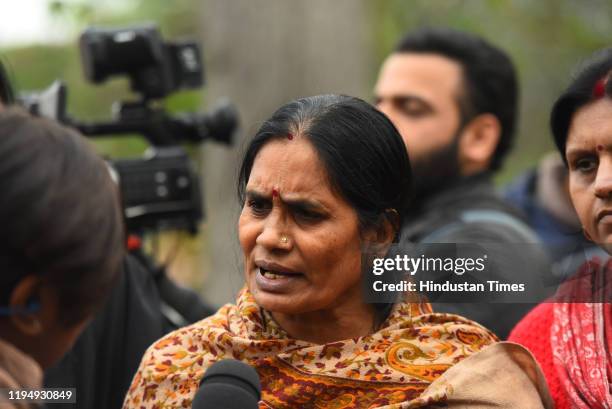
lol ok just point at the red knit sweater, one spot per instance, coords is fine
(533, 332)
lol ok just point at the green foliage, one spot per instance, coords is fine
(175, 19)
(36, 67)
(545, 39)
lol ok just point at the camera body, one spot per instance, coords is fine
(162, 189)
(155, 68)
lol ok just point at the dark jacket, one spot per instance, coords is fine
(105, 357)
(472, 218)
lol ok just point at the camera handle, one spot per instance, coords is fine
(161, 129)
(180, 306)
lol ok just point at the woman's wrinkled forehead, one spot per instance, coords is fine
(285, 165)
(591, 126)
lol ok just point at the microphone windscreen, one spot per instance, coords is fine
(228, 384)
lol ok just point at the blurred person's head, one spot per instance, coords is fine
(62, 234)
(453, 98)
(322, 176)
(581, 122)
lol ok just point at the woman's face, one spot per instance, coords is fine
(300, 239)
(589, 156)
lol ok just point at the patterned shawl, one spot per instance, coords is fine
(389, 368)
(581, 336)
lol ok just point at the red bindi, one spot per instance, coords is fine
(600, 148)
(600, 88)
(290, 136)
(275, 192)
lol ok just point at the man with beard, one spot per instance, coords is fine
(453, 98)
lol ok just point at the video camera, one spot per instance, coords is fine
(162, 189)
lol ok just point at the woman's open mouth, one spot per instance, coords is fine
(274, 275)
(269, 279)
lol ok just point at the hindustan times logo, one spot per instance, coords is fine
(412, 265)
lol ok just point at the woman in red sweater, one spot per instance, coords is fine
(571, 336)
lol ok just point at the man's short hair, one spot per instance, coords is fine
(489, 77)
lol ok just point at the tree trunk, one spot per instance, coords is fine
(262, 54)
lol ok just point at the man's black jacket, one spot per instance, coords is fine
(441, 219)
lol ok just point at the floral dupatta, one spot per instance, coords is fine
(390, 367)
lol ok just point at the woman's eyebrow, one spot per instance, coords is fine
(253, 194)
(578, 151)
(304, 204)
(295, 203)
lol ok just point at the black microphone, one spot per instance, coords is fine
(228, 384)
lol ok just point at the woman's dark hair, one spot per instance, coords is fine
(364, 155)
(59, 213)
(580, 92)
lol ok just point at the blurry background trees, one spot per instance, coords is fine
(266, 52)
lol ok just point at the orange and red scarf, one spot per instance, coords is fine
(390, 367)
